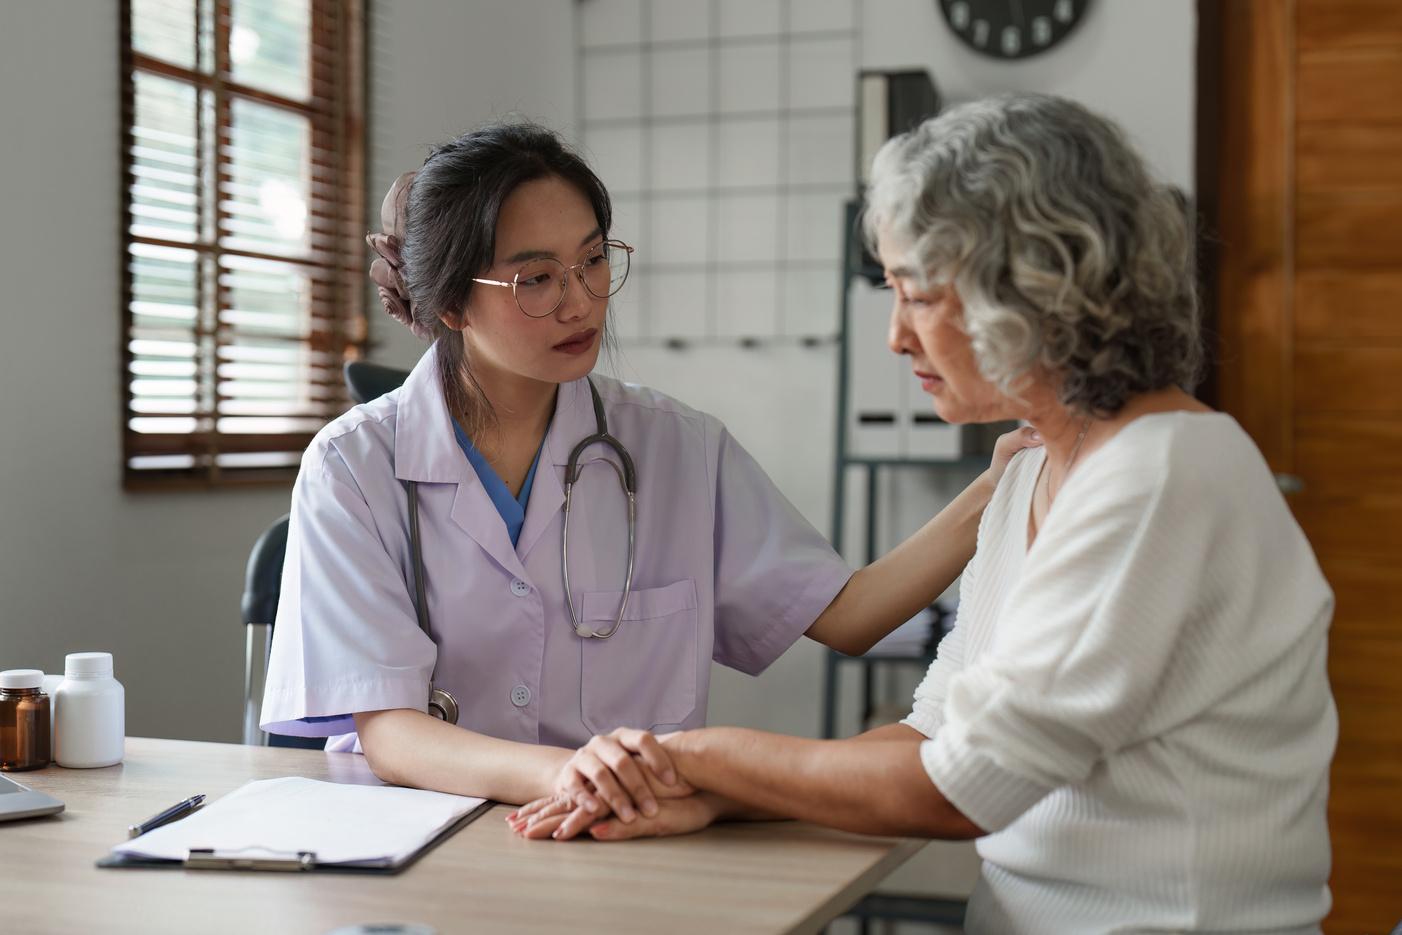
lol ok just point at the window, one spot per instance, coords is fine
(244, 213)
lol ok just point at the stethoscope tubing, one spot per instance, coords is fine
(580, 627)
(441, 703)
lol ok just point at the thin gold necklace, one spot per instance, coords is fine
(1075, 449)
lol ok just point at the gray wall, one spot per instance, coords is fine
(155, 578)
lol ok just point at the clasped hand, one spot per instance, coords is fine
(619, 785)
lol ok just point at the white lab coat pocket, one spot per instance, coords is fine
(645, 674)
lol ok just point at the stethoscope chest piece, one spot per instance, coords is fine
(442, 705)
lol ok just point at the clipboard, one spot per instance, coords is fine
(339, 829)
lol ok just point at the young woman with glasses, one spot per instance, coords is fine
(498, 251)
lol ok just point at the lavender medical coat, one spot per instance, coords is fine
(725, 569)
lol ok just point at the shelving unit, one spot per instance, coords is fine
(857, 265)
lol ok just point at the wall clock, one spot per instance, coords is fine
(1012, 29)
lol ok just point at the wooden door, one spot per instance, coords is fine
(1310, 320)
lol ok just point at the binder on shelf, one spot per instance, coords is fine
(891, 102)
(297, 824)
(888, 103)
(874, 378)
(927, 436)
(889, 417)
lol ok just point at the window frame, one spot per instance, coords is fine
(336, 115)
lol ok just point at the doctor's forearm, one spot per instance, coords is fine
(410, 748)
(895, 587)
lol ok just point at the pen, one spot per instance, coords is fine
(178, 810)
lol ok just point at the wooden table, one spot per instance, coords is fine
(745, 877)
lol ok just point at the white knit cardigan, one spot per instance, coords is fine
(1137, 706)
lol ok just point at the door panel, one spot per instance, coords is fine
(1349, 230)
(1333, 158)
(1343, 453)
(1350, 84)
(1367, 595)
(1336, 24)
(1349, 304)
(1365, 669)
(1347, 524)
(1315, 87)
(1370, 753)
(1348, 378)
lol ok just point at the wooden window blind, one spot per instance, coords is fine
(243, 155)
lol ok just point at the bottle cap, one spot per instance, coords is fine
(78, 664)
(22, 678)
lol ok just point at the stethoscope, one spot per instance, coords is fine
(441, 703)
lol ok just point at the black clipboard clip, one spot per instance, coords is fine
(207, 858)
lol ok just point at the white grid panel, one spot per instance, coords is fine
(724, 129)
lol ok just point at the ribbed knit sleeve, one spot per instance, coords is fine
(927, 714)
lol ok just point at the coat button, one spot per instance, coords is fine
(520, 696)
(519, 587)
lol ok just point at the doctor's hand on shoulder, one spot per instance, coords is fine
(1009, 444)
(899, 584)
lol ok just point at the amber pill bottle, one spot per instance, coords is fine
(24, 720)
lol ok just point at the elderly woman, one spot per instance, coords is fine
(1132, 714)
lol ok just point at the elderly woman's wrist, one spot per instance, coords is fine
(686, 749)
(719, 808)
(552, 770)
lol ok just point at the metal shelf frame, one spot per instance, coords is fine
(857, 263)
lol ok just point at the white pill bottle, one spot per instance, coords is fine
(89, 713)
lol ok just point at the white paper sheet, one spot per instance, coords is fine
(342, 824)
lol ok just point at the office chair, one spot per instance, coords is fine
(263, 579)
(261, 585)
(366, 381)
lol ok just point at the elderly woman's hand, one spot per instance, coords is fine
(1009, 444)
(556, 817)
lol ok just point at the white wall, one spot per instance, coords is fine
(1132, 60)
(153, 578)
(440, 67)
(156, 578)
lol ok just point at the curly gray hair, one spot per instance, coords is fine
(1062, 247)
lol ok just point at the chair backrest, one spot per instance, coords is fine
(261, 585)
(367, 381)
(263, 579)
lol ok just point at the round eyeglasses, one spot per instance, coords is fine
(540, 285)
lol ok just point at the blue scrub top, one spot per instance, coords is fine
(512, 509)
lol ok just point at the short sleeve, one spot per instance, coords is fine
(774, 573)
(346, 638)
(1081, 645)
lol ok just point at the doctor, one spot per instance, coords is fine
(507, 265)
